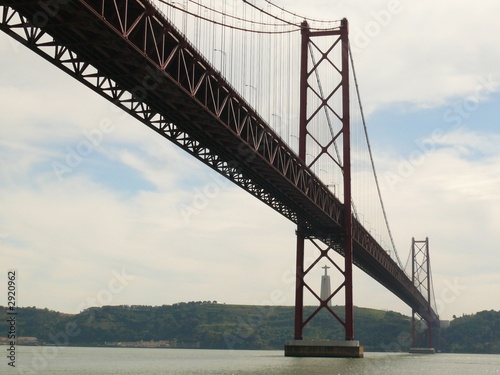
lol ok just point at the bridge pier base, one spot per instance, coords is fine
(324, 348)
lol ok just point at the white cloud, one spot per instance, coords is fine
(427, 53)
(453, 199)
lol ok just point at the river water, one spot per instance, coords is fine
(107, 361)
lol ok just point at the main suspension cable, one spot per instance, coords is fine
(299, 16)
(271, 15)
(371, 160)
(238, 18)
(232, 26)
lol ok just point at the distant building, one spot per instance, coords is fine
(27, 340)
(142, 344)
(444, 323)
(23, 340)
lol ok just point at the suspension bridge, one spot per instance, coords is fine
(261, 95)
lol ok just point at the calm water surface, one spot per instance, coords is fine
(107, 361)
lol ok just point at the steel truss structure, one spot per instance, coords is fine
(130, 54)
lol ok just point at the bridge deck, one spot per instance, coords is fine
(122, 47)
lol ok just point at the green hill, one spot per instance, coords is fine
(207, 325)
(221, 326)
(478, 333)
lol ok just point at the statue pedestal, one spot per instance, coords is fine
(324, 348)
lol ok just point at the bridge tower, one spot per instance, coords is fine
(315, 102)
(421, 277)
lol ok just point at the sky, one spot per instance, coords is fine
(104, 225)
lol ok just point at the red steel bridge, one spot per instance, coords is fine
(132, 54)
